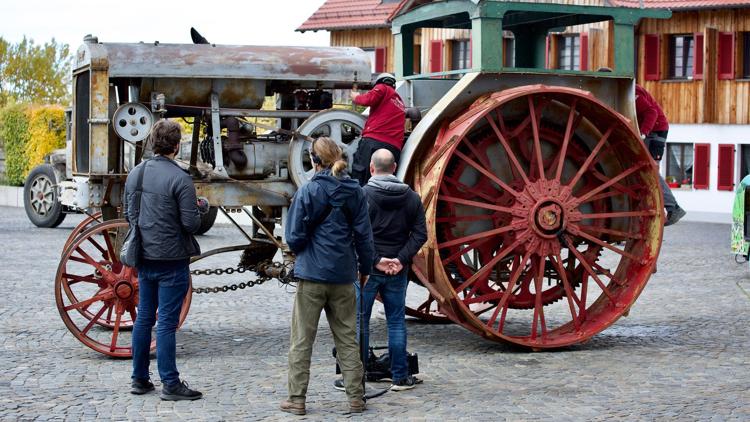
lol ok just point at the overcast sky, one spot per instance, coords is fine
(252, 22)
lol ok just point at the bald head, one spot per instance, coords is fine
(382, 162)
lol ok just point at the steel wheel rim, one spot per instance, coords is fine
(546, 213)
(42, 195)
(343, 126)
(111, 289)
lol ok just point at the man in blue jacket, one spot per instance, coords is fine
(328, 228)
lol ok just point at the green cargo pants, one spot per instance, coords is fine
(339, 302)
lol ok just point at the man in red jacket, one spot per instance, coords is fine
(654, 128)
(384, 127)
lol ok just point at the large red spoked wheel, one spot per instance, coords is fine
(544, 216)
(97, 296)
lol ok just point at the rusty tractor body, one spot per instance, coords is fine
(543, 207)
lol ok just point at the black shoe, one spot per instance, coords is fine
(339, 384)
(141, 386)
(406, 384)
(674, 216)
(179, 391)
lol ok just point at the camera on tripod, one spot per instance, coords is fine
(378, 368)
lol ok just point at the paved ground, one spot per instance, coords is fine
(684, 352)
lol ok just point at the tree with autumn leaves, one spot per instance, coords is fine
(34, 73)
(34, 87)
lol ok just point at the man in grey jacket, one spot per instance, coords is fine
(168, 217)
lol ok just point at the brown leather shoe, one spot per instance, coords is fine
(292, 407)
(357, 406)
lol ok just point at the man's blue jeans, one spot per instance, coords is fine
(162, 286)
(392, 290)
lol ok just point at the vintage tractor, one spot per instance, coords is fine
(543, 207)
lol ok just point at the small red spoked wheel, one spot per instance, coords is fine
(96, 295)
(544, 216)
(85, 224)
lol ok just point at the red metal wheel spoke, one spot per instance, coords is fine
(611, 181)
(527, 121)
(109, 314)
(105, 295)
(78, 259)
(457, 218)
(605, 195)
(97, 245)
(566, 138)
(470, 203)
(116, 330)
(132, 312)
(591, 157)
(515, 274)
(602, 230)
(608, 246)
(482, 159)
(463, 251)
(569, 292)
(474, 236)
(593, 275)
(425, 306)
(468, 189)
(502, 253)
(538, 309)
(468, 297)
(73, 279)
(619, 214)
(624, 189)
(607, 273)
(487, 173)
(110, 248)
(89, 260)
(508, 151)
(501, 122)
(537, 143)
(91, 323)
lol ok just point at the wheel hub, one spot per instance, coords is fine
(124, 289)
(549, 219)
(545, 205)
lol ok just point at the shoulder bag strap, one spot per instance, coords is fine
(139, 189)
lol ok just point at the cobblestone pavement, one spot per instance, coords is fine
(683, 353)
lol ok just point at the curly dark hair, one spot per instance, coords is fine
(165, 136)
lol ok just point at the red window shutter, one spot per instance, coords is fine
(725, 58)
(651, 58)
(380, 59)
(436, 56)
(726, 167)
(698, 56)
(584, 51)
(701, 166)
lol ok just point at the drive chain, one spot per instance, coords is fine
(286, 278)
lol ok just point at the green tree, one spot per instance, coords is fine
(34, 73)
(3, 63)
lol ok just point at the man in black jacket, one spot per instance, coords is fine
(168, 217)
(398, 228)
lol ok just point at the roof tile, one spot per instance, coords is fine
(345, 14)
